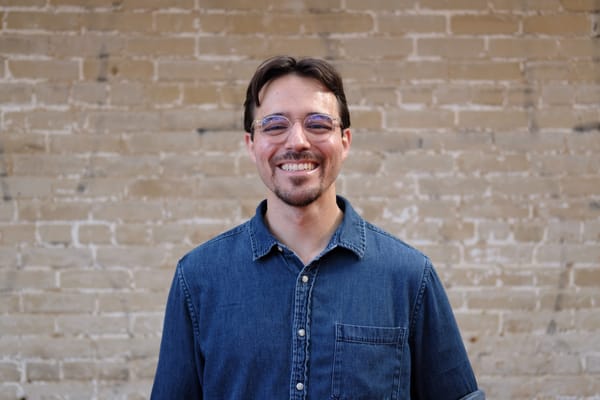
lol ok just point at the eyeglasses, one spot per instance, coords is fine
(318, 126)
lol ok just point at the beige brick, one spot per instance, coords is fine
(9, 372)
(131, 257)
(92, 325)
(588, 276)
(200, 94)
(366, 119)
(130, 302)
(381, 5)
(25, 45)
(94, 233)
(26, 324)
(90, 370)
(16, 93)
(581, 186)
(580, 5)
(493, 207)
(9, 303)
(452, 5)
(524, 186)
(483, 24)
(14, 280)
(17, 234)
(494, 299)
(42, 21)
(557, 24)
(570, 253)
(117, 22)
(523, 6)
(104, 69)
(56, 257)
(175, 22)
(451, 48)
(388, 48)
(95, 279)
(396, 118)
(63, 303)
(489, 71)
(159, 46)
(44, 69)
(127, 211)
(410, 24)
(42, 371)
(524, 48)
(416, 95)
(192, 70)
(419, 163)
(487, 163)
(269, 5)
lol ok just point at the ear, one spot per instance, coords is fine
(346, 141)
(250, 146)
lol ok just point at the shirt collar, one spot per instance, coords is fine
(350, 234)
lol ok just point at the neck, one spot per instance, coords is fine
(305, 230)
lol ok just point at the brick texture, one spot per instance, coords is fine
(476, 139)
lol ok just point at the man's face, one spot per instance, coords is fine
(297, 168)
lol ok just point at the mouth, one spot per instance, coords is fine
(295, 167)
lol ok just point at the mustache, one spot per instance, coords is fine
(298, 156)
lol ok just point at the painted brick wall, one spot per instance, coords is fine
(476, 139)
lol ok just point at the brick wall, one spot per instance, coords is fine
(476, 139)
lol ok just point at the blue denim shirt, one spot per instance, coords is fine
(366, 319)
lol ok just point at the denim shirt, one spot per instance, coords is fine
(366, 319)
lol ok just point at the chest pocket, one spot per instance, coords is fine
(367, 362)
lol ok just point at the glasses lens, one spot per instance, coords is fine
(274, 125)
(319, 123)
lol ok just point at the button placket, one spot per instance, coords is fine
(300, 340)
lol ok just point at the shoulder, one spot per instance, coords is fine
(221, 247)
(382, 241)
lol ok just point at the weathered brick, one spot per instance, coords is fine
(9, 371)
(483, 24)
(410, 24)
(44, 69)
(451, 48)
(42, 21)
(557, 24)
(42, 371)
(116, 279)
(63, 303)
(474, 139)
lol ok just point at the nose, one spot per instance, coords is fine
(296, 137)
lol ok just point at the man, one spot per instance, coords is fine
(307, 300)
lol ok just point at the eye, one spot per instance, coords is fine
(274, 124)
(319, 123)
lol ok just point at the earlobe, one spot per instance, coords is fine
(347, 138)
(249, 141)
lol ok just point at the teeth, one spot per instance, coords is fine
(298, 167)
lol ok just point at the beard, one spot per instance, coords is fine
(299, 197)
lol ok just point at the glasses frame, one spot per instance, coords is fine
(258, 123)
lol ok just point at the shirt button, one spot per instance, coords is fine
(305, 278)
(301, 332)
(299, 386)
(279, 249)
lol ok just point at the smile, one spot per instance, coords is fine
(307, 166)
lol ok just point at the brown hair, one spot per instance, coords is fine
(279, 66)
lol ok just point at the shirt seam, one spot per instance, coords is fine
(188, 301)
(417, 306)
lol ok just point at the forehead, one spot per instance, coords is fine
(294, 93)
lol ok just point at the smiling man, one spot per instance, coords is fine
(307, 300)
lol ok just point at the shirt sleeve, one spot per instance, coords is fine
(178, 374)
(440, 366)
